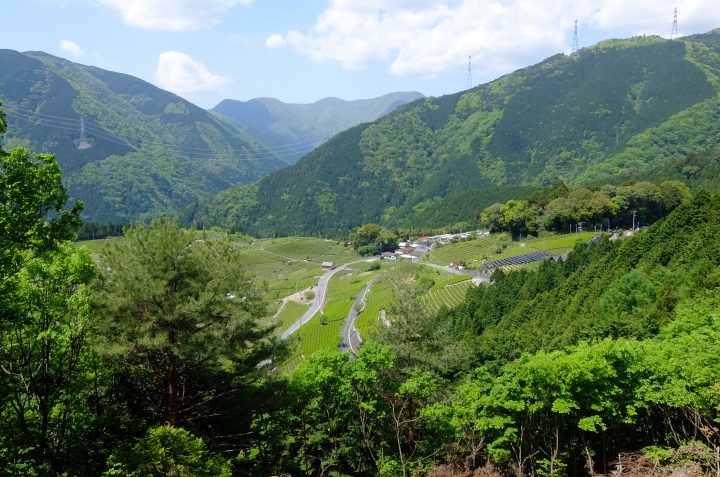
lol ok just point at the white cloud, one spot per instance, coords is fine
(72, 49)
(179, 73)
(428, 37)
(176, 15)
(275, 41)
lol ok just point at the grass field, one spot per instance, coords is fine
(96, 246)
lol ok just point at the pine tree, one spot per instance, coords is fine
(180, 309)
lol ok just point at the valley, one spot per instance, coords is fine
(520, 278)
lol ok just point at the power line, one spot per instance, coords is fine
(97, 129)
(283, 151)
(674, 31)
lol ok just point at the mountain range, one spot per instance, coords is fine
(612, 112)
(127, 149)
(292, 130)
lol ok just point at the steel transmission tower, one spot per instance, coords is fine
(575, 40)
(674, 32)
(469, 78)
(82, 142)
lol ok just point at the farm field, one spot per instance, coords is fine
(449, 296)
(475, 252)
(289, 313)
(449, 280)
(323, 330)
(380, 297)
(464, 251)
(342, 290)
(97, 245)
(307, 249)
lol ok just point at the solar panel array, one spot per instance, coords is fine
(518, 260)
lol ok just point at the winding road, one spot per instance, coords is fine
(320, 295)
(351, 336)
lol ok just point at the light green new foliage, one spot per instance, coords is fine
(167, 451)
(43, 352)
(43, 316)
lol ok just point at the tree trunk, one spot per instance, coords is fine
(173, 413)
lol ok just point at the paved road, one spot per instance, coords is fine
(351, 336)
(319, 300)
(449, 269)
(483, 276)
(317, 303)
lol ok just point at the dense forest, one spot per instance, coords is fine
(616, 111)
(146, 362)
(146, 151)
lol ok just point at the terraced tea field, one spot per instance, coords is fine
(380, 297)
(486, 249)
(450, 296)
(289, 313)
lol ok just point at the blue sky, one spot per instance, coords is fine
(303, 50)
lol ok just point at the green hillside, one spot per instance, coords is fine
(292, 130)
(613, 111)
(150, 151)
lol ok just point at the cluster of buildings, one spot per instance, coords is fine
(422, 245)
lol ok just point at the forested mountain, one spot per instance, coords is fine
(611, 112)
(292, 130)
(145, 151)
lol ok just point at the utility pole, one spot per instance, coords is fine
(633, 224)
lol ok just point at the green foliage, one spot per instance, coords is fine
(295, 129)
(167, 451)
(32, 214)
(46, 375)
(371, 239)
(151, 152)
(610, 113)
(610, 206)
(176, 305)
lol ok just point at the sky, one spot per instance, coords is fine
(300, 51)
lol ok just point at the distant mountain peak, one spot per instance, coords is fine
(294, 129)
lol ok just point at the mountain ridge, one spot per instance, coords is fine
(612, 111)
(146, 152)
(294, 129)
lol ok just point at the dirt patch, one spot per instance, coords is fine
(463, 470)
(637, 465)
(298, 297)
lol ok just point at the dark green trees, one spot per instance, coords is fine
(181, 312)
(371, 239)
